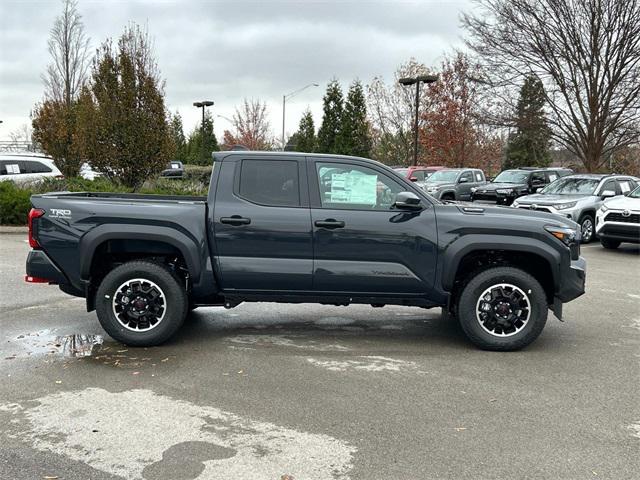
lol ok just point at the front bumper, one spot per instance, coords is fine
(624, 229)
(572, 280)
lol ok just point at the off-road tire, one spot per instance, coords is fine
(176, 303)
(470, 297)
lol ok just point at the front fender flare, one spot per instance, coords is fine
(457, 250)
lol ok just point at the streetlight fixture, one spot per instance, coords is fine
(203, 104)
(284, 101)
(407, 81)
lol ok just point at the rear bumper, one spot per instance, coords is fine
(40, 266)
(572, 280)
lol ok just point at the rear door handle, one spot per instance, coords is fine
(329, 223)
(235, 220)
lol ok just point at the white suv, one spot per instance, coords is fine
(26, 168)
(618, 220)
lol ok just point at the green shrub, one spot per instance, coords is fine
(15, 204)
(15, 200)
(198, 173)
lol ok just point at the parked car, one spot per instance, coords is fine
(293, 227)
(511, 184)
(175, 169)
(578, 197)
(88, 173)
(453, 183)
(417, 173)
(27, 168)
(618, 220)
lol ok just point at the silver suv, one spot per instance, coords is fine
(578, 197)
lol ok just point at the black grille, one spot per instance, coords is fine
(619, 217)
(484, 196)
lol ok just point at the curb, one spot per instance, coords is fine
(12, 229)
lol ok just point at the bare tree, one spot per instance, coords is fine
(391, 111)
(69, 50)
(252, 127)
(587, 53)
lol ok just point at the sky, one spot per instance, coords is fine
(228, 50)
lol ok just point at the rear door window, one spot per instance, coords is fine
(538, 178)
(553, 176)
(479, 176)
(419, 174)
(610, 185)
(270, 182)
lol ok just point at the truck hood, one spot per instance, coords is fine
(490, 187)
(549, 199)
(502, 214)
(438, 184)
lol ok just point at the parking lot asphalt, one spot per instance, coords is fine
(269, 391)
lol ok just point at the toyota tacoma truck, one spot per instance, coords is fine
(294, 228)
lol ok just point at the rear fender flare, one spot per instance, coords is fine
(90, 242)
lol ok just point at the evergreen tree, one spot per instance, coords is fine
(354, 137)
(332, 115)
(194, 145)
(177, 132)
(124, 122)
(529, 145)
(306, 135)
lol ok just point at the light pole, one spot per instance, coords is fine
(203, 104)
(284, 101)
(410, 81)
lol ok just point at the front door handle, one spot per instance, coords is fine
(235, 220)
(329, 223)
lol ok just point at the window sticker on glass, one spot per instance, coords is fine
(13, 168)
(353, 187)
(552, 177)
(624, 186)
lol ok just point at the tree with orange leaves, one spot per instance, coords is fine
(453, 133)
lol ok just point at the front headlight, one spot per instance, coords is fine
(515, 203)
(504, 191)
(473, 189)
(432, 189)
(566, 235)
(604, 208)
(564, 206)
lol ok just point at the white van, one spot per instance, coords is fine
(27, 168)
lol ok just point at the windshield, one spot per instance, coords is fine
(511, 176)
(635, 193)
(443, 176)
(572, 186)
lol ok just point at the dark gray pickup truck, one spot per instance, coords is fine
(295, 227)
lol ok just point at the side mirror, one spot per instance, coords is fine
(407, 201)
(463, 180)
(413, 179)
(608, 194)
(539, 189)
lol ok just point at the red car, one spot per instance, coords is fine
(418, 173)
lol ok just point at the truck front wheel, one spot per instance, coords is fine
(141, 303)
(503, 309)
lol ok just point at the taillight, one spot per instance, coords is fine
(33, 214)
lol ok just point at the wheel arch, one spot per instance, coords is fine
(534, 257)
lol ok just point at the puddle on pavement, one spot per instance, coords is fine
(45, 342)
(78, 345)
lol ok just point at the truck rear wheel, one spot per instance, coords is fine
(503, 309)
(141, 303)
